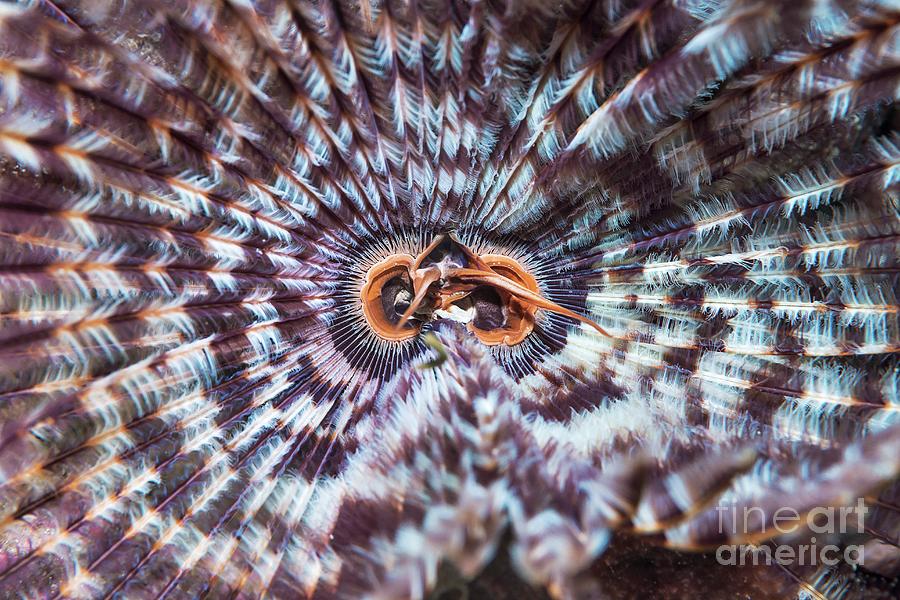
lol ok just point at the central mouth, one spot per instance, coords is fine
(493, 294)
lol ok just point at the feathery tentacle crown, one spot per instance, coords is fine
(671, 297)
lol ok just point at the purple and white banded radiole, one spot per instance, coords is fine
(193, 194)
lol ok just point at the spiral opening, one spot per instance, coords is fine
(493, 294)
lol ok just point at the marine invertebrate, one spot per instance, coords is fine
(237, 240)
(500, 296)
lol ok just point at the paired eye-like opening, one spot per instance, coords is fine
(493, 294)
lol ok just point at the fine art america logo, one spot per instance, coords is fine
(828, 523)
